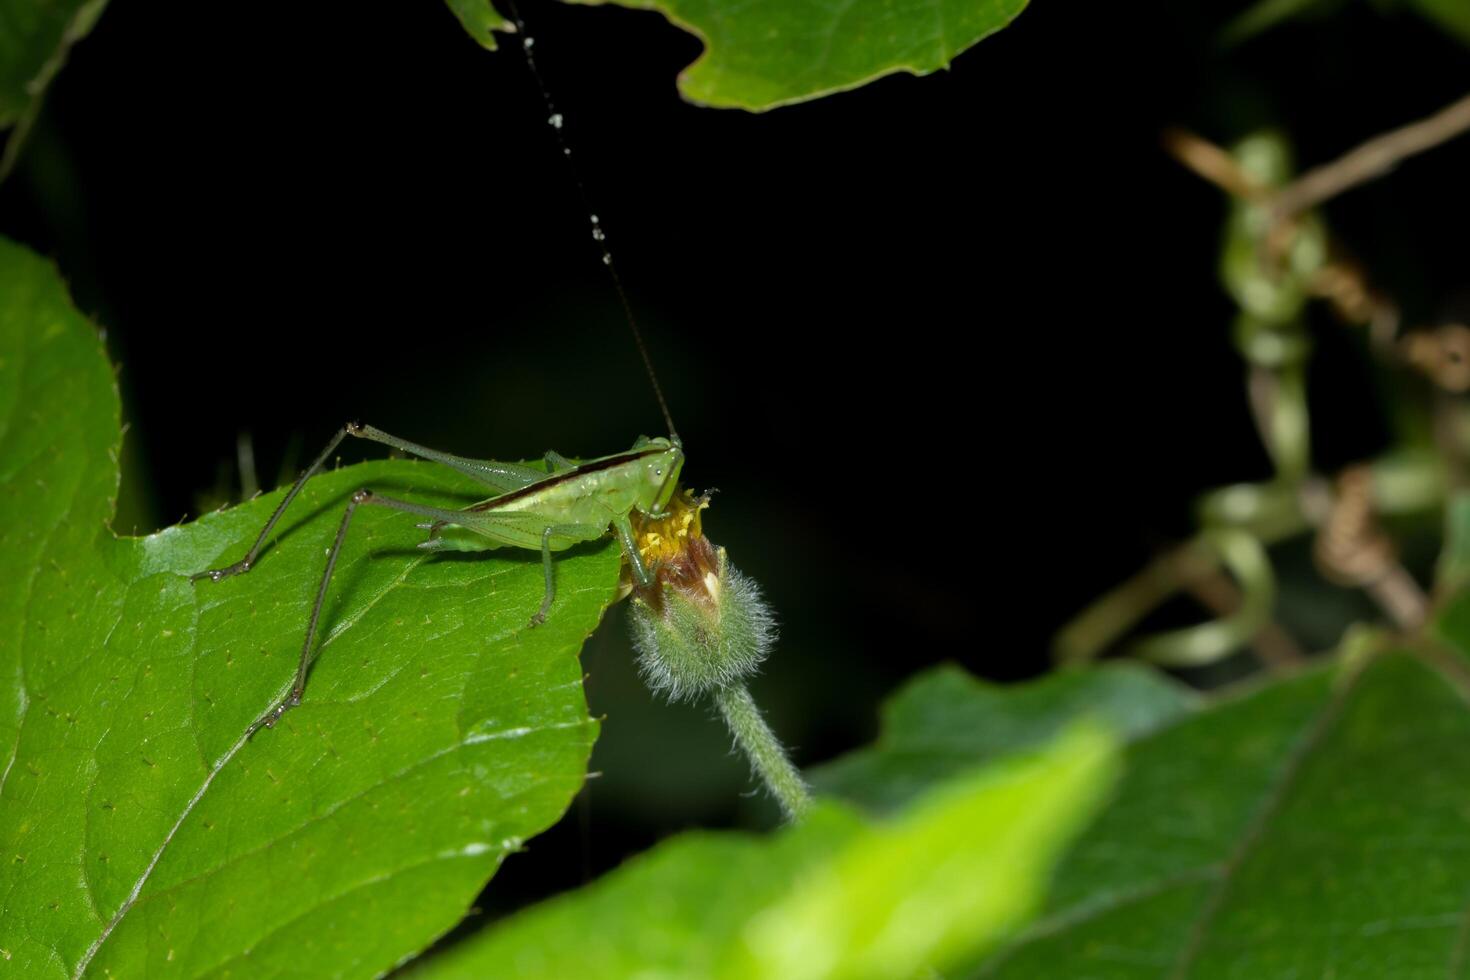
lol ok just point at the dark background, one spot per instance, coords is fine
(951, 348)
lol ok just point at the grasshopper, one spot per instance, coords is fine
(552, 510)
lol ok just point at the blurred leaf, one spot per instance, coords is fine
(1450, 622)
(144, 836)
(1453, 16)
(944, 722)
(33, 45)
(675, 911)
(833, 897)
(480, 19)
(1263, 15)
(943, 881)
(1453, 570)
(1303, 829)
(35, 36)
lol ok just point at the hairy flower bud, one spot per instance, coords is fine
(701, 628)
(702, 625)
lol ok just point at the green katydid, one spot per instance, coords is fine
(700, 627)
(550, 511)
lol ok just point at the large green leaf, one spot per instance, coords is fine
(1309, 828)
(144, 835)
(760, 54)
(945, 721)
(35, 36)
(837, 896)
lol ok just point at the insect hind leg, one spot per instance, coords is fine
(248, 562)
(503, 477)
(579, 532)
(298, 684)
(362, 497)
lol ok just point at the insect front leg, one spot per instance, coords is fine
(557, 463)
(624, 526)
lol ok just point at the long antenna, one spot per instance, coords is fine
(555, 120)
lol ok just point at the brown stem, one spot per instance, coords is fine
(1372, 159)
(1210, 162)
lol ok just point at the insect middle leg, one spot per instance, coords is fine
(575, 532)
(365, 497)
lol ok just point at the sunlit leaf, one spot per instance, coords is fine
(835, 897)
(945, 721)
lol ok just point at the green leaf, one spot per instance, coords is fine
(945, 721)
(674, 911)
(835, 896)
(143, 834)
(35, 36)
(760, 54)
(480, 19)
(1304, 829)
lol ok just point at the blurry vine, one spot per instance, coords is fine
(1278, 258)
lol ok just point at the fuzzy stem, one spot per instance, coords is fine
(766, 754)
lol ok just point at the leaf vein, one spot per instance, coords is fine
(355, 797)
(220, 969)
(1088, 911)
(127, 904)
(1270, 805)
